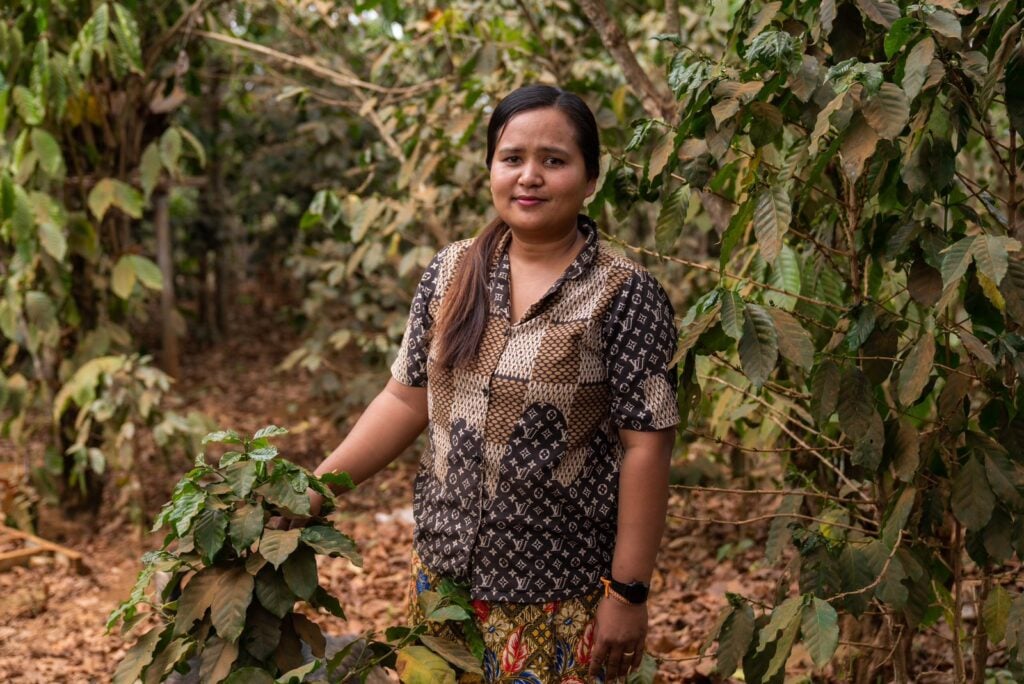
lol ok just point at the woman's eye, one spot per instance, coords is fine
(511, 160)
(555, 161)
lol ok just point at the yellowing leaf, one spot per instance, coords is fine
(917, 368)
(122, 278)
(772, 215)
(888, 111)
(419, 665)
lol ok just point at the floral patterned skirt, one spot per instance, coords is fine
(524, 643)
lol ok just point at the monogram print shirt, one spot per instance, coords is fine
(517, 490)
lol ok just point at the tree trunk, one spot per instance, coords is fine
(169, 356)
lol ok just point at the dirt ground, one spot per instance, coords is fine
(52, 620)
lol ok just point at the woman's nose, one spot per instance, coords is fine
(529, 175)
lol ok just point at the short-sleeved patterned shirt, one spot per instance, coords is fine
(517, 490)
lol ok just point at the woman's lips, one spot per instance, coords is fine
(527, 201)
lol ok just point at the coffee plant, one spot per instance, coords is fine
(237, 564)
(863, 320)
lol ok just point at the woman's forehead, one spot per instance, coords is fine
(546, 129)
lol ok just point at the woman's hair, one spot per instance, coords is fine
(464, 312)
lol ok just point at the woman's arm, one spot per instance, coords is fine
(643, 501)
(388, 425)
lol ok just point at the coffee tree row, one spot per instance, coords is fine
(865, 314)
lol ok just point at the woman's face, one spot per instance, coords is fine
(538, 177)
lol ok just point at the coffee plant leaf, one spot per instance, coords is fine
(420, 665)
(916, 370)
(234, 594)
(784, 276)
(331, 542)
(249, 675)
(241, 475)
(300, 573)
(899, 513)
(273, 592)
(915, 68)
(321, 599)
(454, 652)
(795, 343)
(732, 313)
(138, 657)
(996, 612)
(1004, 477)
(734, 638)
(210, 533)
(992, 255)
(758, 346)
(819, 628)
(297, 674)
(855, 572)
(859, 419)
(223, 436)
(955, 260)
(825, 383)
(196, 598)
(216, 660)
(943, 23)
(772, 216)
(671, 218)
(262, 631)
(310, 632)
(122, 278)
(246, 526)
(280, 492)
(905, 450)
(971, 497)
(778, 531)
(277, 545)
(270, 431)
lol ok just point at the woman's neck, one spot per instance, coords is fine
(540, 249)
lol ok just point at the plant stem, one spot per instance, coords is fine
(1012, 201)
(980, 633)
(957, 553)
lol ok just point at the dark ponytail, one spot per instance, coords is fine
(464, 312)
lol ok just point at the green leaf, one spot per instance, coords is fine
(210, 533)
(778, 531)
(222, 436)
(971, 497)
(51, 161)
(732, 314)
(824, 391)
(321, 599)
(343, 480)
(110, 192)
(297, 674)
(781, 630)
(1012, 288)
(454, 652)
(734, 232)
(126, 35)
(216, 661)
(273, 592)
(906, 447)
(671, 218)
(280, 493)
(759, 346)
(888, 111)
(246, 526)
(30, 107)
(891, 590)
(996, 612)
(915, 69)
(149, 169)
(52, 240)
(186, 503)
(820, 628)
(241, 476)
(300, 572)
(902, 31)
(170, 150)
(250, 675)
(1004, 476)
(197, 596)
(147, 272)
(331, 542)
(1013, 91)
(265, 453)
(734, 639)
(122, 278)
(270, 431)
(794, 341)
(916, 369)
(645, 674)
(772, 215)
(277, 545)
(859, 419)
(855, 571)
(898, 516)
(784, 275)
(138, 657)
(992, 254)
(234, 593)
(419, 665)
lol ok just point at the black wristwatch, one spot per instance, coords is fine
(634, 592)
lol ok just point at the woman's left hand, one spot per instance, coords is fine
(619, 636)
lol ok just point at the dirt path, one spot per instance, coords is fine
(52, 621)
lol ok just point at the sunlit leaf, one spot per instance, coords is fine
(772, 215)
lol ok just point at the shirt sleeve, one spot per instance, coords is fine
(639, 337)
(410, 367)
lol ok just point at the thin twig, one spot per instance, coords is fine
(769, 516)
(878, 580)
(780, 492)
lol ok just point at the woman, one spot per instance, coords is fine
(539, 362)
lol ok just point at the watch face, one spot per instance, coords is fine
(635, 592)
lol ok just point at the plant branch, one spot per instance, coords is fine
(778, 492)
(770, 516)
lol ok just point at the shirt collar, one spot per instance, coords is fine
(499, 282)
